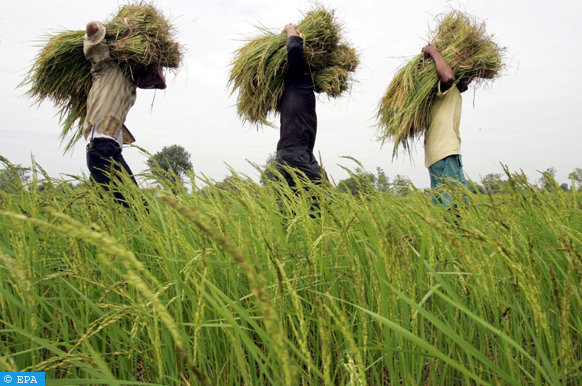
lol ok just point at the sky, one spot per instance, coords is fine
(528, 119)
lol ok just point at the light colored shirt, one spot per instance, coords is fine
(442, 138)
(111, 95)
(97, 134)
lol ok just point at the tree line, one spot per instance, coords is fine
(173, 163)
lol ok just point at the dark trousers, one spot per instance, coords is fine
(105, 161)
(302, 159)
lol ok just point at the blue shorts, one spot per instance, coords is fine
(448, 171)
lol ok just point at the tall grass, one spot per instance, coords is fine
(242, 287)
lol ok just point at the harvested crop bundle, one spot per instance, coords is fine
(139, 38)
(258, 68)
(405, 110)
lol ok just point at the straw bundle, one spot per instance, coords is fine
(259, 67)
(139, 37)
(405, 110)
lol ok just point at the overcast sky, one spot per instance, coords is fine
(529, 119)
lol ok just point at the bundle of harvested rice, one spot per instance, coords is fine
(405, 110)
(139, 38)
(258, 68)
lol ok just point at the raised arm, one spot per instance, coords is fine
(444, 71)
(295, 62)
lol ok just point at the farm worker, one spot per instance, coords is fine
(111, 96)
(442, 141)
(298, 118)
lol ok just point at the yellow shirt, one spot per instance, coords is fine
(111, 95)
(442, 138)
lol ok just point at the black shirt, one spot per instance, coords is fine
(298, 118)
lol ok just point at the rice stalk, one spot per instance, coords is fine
(379, 289)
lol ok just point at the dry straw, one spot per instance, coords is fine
(258, 68)
(138, 36)
(405, 110)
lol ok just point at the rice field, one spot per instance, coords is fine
(243, 287)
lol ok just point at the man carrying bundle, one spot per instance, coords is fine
(298, 117)
(111, 96)
(442, 142)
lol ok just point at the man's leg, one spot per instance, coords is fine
(313, 171)
(99, 161)
(300, 158)
(448, 170)
(100, 157)
(287, 157)
(304, 161)
(122, 166)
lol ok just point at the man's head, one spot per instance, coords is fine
(149, 79)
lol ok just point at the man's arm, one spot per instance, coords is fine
(295, 62)
(444, 71)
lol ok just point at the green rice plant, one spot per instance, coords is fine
(247, 284)
(258, 68)
(404, 112)
(139, 37)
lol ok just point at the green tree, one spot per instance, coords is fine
(229, 184)
(13, 178)
(476, 188)
(400, 185)
(382, 181)
(493, 182)
(547, 182)
(363, 181)
(360, 182)
(268, 172)
(576, 177)
(60, 186)
(172, 160)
